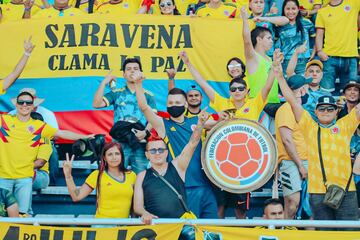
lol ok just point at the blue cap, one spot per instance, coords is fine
(326, 100)
(297, 81)
(193, 87)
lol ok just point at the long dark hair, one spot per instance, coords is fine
(104, 166)
(238, 60)
(299, 26)
(176, 11)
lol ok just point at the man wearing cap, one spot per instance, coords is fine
(314, 70)
(292, 156)
(49, 118)
(10, 79)
(329, 140)
(352, 98)
(20, 138)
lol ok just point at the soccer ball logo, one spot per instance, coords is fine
(238, 155)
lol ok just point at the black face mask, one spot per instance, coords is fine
(176, 111)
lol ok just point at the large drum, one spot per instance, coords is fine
(239, 155)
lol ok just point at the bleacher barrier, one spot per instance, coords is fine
(133, 228)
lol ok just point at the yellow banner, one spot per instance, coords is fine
(28, 232)
(91, 45)
(232, 233)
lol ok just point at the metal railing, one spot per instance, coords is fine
(208, 222)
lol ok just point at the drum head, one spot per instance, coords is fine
(239, 155)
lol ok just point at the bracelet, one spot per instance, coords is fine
(27, 9)
(27, 54)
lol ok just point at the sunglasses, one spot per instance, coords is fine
(157, 150)
(233, 89)
(232, 66)
(26, 102)
(164, 4)
(326, 108)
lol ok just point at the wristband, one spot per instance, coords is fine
(27, 9)
(27, 54)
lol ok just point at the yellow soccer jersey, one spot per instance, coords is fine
(15, 12)
(2, 91)
(285, 118)
(181, 5)
(115, 196)
(335, 145)
(125, 7)
(309, 4)
(44, 152)
(250, 110)
(19, 143)
(54, 13)
(339, 21)
(224, 11)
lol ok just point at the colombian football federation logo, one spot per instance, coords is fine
(239, 155)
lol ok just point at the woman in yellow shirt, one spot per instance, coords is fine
(113, 182)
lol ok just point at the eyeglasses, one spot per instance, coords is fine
(241, 88)
(164, 4)
(326, 108)
(26, 102)
(157, 150)
(232, 66)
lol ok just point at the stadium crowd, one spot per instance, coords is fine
(300, 68)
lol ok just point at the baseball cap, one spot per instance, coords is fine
(326, 100)
(193, 87)
(352, 83)
(297, 81)
(315, 62)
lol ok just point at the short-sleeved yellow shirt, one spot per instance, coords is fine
(115, 196)
(19, 145)
(250, 110)
(340, 25)
(285, 118)
(45, 151)
(224, 11)
(335, 148)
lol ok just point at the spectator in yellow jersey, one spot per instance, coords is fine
(118, 7)
(238, 90)
(114, 184)
(20, 137)
(16, 10)
(85, 5)
(328, 142)
(236, 68)
(336, 42)
(61, 8)
(309, 8)
(217, 9)
(11, 78)
(292, 157)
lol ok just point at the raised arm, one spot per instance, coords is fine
(182, 161)
(98, 101)
(268, 85)
(139, 208)
(69, 135)
(319, 42)
(290, 70)
(155, 121)
(209, 91)
(250, 54)
(10, 79)
(28, 4)
(77, 194)
(286, 91)
(171, 76)
(276, 20)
